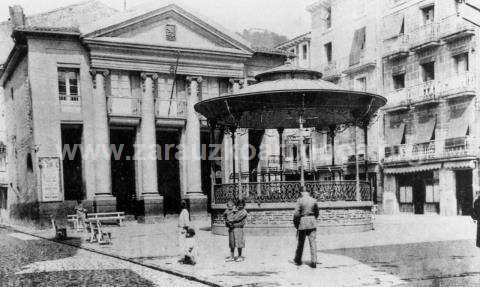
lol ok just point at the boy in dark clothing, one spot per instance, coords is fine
(238, 220)
(227, 216)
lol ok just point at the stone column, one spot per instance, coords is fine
(104, 201)
(389, 197)
(150, 199)
(198, 201)
(475, 181)
(448, 197)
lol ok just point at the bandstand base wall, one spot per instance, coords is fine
(276, 219)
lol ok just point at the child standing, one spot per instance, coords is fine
(81, 215)
(183, 225)
(190, 252)
(238, 220)
(227, 216)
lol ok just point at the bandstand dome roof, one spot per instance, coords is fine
(284, 93)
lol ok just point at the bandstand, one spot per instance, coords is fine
(288, 97)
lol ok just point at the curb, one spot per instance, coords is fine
(119, 257)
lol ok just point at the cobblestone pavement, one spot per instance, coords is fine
(401, 251)
(29, 261)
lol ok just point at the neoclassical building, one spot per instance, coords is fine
(97, 111)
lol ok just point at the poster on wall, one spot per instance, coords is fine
(50, 179)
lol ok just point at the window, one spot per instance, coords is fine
(120, 84)
(328, 19)
(295, 152)
(398, 81)
(406, 195)
(358, 46)
(68, 84)
(428, 14)
(171, 32)
(3, 197)
(3, 157)
(402, 27)
(361, 84)
(461, 63)
(432, 194)
(305, 52)
(29, 162)
(328, 52)
(428, 71)
(11, 93)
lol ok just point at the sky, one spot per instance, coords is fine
(286, 17)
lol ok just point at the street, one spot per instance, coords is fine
(401, 251)
(29, 261)
(445, 263)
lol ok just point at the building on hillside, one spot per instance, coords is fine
(344, 47)
(421, 56)
(94, 108)
(300, 47)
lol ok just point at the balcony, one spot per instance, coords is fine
(397, 99)
(459, 85)
(70, 104)
(366, 62)
(397, 47)
(331, 72)
(450, 148)
(425, 37)
(124, 106)
(449, 29)
(425, 92)
(453, 28)
(172, 113)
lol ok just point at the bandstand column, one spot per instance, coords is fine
(151, 199)
(302, 167)
(331, 133)
(104, 200)
(280, 147)
(358, 196)
(365, 140)
(192, 157)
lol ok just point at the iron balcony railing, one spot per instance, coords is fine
(331, 70)
(289, 191)
(396, 45)
(434, 32)
(124, 106)
(166, 108)
(458, 147)
(456, 85)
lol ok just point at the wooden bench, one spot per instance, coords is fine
(117, 217)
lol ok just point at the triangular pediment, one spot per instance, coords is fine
(170, 26)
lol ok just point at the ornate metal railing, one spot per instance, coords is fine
(289, 191)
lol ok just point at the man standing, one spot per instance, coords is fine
(305, 220)
(476, 217)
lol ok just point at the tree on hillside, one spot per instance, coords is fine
(263, 38)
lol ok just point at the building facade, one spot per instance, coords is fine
(421, 56)
(100, 112)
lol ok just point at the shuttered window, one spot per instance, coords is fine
(358, 46)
